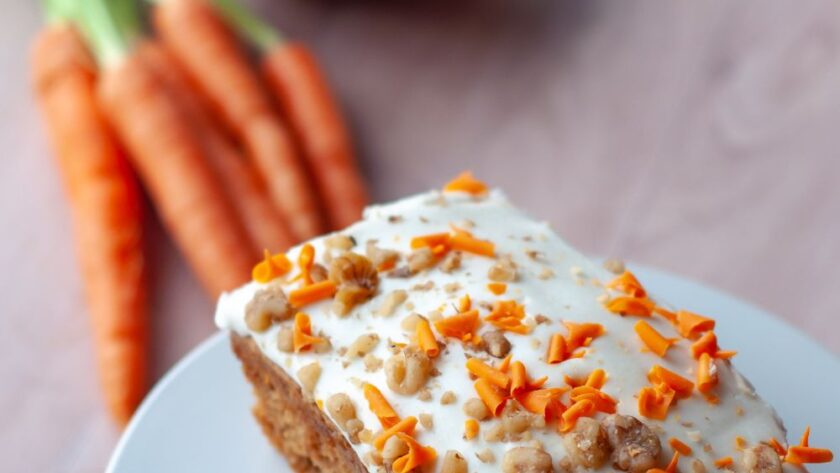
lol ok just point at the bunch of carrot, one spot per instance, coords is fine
(235, 159)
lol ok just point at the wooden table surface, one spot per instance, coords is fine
(698, 137)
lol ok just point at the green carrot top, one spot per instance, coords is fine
(257, 31)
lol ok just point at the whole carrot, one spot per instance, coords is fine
(301, 88)
(168, 155)
(107, 213)
(243, 185)
(209, 52)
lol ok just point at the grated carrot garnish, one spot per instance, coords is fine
(302, 338)
(673, 464)
(417, 455)
(426, 339)
(271, 267)
(470, 429)
(466, 182)
(804, 453)
(545, 402)
(723, 462)
(627, 305)
(461, 326)
(681, 386)
(430, 241)
(691, 325)
(518, 378)
(777, 446)
(665, 314)
(652, 339)
(628, 284)
(602, 401)
(405, 426)
(466, 242)
(707, 377)
(679, 446)
(596, 379)
(312, 293)
(568, 419)
(557, 351)
(306, 258)
(740, 442)
(482, 370)
(380, 406)
(464, 303)
(505, 364)
(508, 315)
(582, 334)
(497, 288)
(492, 397)
(654, 402)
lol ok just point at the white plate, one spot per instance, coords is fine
(198, 416)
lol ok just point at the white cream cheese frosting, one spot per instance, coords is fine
(554, 281)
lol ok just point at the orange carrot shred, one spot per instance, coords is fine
(461, 326)
(497, 288)
(464, 303)
(312, 293)
(426, 339)
(465, 242)
(306, 258)
(707, 343)
(626, 305)
(491, 396)
(545, 402)
(706, 374)
(581, 334)
(679, 446)
(404, 426)
(470, 429)
(602, 401)
(777, 446)
(272, 266)
(691, 325)
(596, 378)
(508, 315)
(652, 339)
(568, 419)
(654, 402)
(665, 314)
(803, 453)
(673, 464)
(628, 284)
(505, 363)
(380, 406)
(806, 436)
(681, 386)
(417, 455)
(479, 369)
(466, 182)
(430, 241)
(557, 351)
(302, 337)
(518, 378)
(723, 462)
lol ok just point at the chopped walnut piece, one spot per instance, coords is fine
(424, 395)
(409, 324)
(381, 258)
(761, 459)
(285, 340)
(587, 443)
(614, 265)
(545, 273)
(636, 447)
(372, 362)
(526, 460)
(354, 427)
(451, 262)
(308, 376)
(697, 466)
(421, 259)
(341, 409)
(391, 301)
(394, 448)
(496, 344)
(426, 420)
(454, 462)
(339, 242)
(447, 398)
(268, 305)
(486, 456)
(318, 273)
(357, 281)
(503, 271)
(476, 409)
(565, 466)
(363, 345)
(407, 371)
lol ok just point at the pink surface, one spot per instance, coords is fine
(697, 137)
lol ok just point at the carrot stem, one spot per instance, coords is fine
(249, 25)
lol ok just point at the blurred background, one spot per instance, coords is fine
(697, 137)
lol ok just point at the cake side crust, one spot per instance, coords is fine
(290, 419)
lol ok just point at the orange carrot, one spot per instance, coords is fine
(107, 213)
(210, 54)
(243, 186)
(303, 93)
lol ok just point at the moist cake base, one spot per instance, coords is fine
(290, 419)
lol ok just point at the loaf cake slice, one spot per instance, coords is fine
(449, 332)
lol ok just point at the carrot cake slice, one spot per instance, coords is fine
(449, 332)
